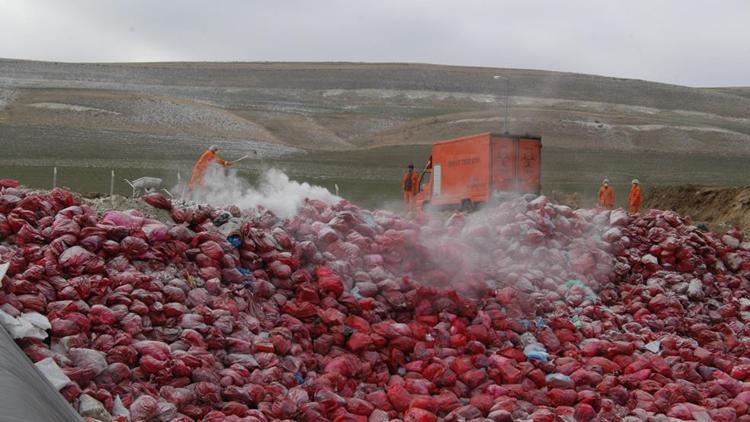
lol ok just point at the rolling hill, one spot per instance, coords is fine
(60, 108)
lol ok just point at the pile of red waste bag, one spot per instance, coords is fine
(523, 310)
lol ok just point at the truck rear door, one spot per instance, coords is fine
(529, 165)
(503, 164)
(516, 164)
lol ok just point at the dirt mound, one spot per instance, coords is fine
(720, 207)
(103, 203)
(573, 200)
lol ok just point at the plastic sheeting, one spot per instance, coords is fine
(25, 396)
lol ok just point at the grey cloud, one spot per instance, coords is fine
(691, 42)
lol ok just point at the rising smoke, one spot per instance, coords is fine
(533, 246)
(530, 244)
(273, 191)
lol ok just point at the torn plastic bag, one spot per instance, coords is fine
(119, 409)
(32, 325)
(653, 346)
(93, 408)
(533, 349)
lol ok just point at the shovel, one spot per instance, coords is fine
(244, 157)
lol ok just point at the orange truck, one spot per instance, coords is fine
(465, 172)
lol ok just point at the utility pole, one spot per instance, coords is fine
(112, 188)
(507, 85)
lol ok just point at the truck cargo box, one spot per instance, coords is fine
(470, 170)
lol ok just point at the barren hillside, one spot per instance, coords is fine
(722, 207)
(284, 106)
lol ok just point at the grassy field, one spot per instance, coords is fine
(371, 177)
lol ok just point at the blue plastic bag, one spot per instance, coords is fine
(299, 378)
(235, 241)
(536, 351)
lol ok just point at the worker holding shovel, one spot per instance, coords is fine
(207, 158)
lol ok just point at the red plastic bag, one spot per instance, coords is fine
(156, 232)
(152, 365)
(156, 349)
(144, 408)
(359, 407)
(113, 374)
(346, 366)
(560, 397)
(75, 258)
(419, 415)
(157, 200)
(329, 282)
(63, 226)
(9, 183)
(358, 342)
(212, 250)
(473, 378)
(134, 247)
(101, 315)
(399, 397)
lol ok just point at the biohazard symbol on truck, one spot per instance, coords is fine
(505, 160)
(527, 160)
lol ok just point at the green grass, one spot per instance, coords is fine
(372, 177)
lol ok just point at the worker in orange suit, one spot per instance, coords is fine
(634, 199)
(199, 170)
(409, 184)
(606, 196)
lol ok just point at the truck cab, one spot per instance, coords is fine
(465, 172)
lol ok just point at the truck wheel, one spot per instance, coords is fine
(467, 206)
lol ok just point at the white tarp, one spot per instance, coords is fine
(25, 393)
(3, 269)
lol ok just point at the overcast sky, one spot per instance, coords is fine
(687, 42)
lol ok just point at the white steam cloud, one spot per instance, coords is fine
(273, 191)
(534, 246)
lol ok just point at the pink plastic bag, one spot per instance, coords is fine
(157, 200)
(130, 220)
